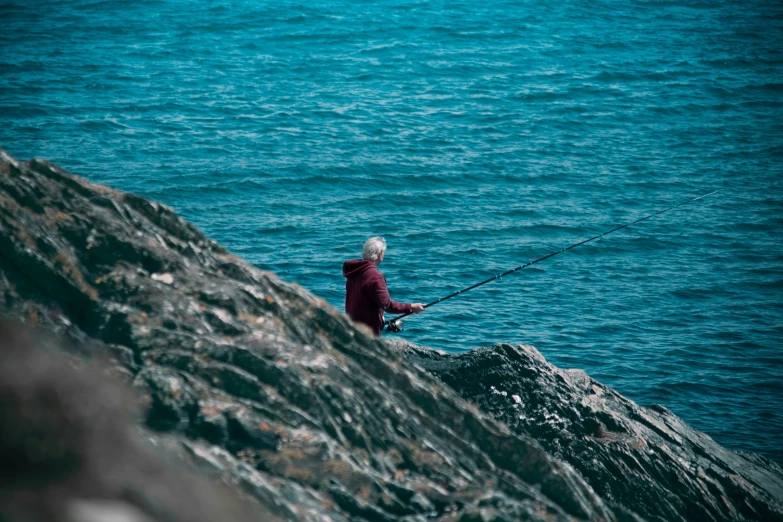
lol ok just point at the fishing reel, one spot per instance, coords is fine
(394, 326)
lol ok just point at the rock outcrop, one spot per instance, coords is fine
(644, 459)
(260, 382)
(271, 390)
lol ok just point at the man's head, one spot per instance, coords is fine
(374, 249)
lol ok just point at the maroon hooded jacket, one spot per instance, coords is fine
(366, 295)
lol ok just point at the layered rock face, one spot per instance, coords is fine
(258, 381)
(644, 459)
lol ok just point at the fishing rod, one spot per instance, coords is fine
(395, 324)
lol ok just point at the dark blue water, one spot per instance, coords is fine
(474, 136)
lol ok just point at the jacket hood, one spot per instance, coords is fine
(356, 267)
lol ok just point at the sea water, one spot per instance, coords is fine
(474, 136)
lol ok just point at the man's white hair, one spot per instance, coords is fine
(373, 248)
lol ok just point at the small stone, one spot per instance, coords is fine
(165, 278)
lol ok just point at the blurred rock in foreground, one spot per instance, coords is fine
(644, 459)
(70, 451)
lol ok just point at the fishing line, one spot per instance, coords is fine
(395, 325)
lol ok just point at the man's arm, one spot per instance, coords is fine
(379, 295)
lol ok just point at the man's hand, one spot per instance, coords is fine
(417, 308)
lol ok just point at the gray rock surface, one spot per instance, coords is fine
(645, 460)
(256, 380)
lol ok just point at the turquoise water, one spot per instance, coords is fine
(474, 136)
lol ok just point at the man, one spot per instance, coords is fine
(366, 295)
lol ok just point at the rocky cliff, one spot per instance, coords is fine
(645, 459)
(277, 393)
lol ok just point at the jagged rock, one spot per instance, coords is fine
(255, 379)
(645, 460)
